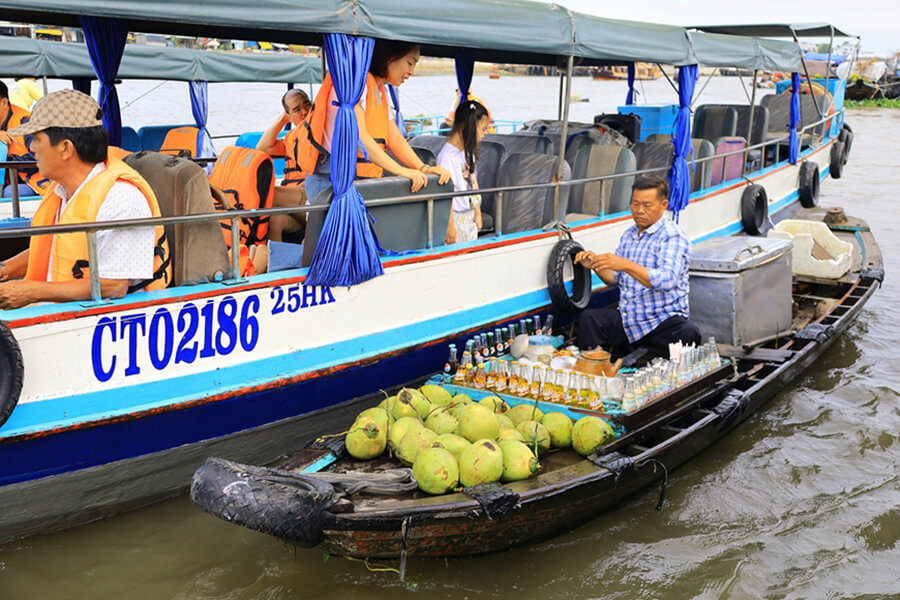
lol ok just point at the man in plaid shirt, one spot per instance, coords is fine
(650, 267)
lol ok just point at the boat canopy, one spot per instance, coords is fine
(25, 57)
(778, 30)
(516, 31)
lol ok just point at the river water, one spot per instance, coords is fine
(800, 501)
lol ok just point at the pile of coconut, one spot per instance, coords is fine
(453, 441)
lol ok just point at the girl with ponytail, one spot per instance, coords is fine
(459, 156)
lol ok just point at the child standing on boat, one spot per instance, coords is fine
(458, 156)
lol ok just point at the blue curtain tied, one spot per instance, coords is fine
(105, 41)
(680, 180)
(629, 98)
(395, 102)
(795, 117)
(200, 109)
(347, 251)
(465, 69)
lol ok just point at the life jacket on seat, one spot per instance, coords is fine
(247, 179)
(310, 152)
(30, 174)
(293, 174)
(65, 256)
(182, 141)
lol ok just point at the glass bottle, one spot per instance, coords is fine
(537, 325)
(451, 366)
(595, 399)
(480, 377)
(628, 404)
(549, 390)
(548, 325)
(558, 385)
(512, 382)
(500, 382)
(584, 392)
(491, 348)
(537, 380)
(524, 386)
(470, 375)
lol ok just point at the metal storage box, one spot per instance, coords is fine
(741, 288)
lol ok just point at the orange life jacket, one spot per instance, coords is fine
(309, 150)
(182, 141)
(116, 152)
(293, 174)
(65, 255)
(247, 178)
(29, 175)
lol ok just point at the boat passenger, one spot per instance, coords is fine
(459, 156)
(392, 62)
(448, 122)
(70, 146)
(292, 189)
(30, 181)
(650, 267)
(25, 93)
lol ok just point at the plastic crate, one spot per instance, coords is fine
(655, 118)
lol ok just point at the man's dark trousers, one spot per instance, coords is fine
(603, 327)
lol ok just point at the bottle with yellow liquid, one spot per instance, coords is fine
(549, 390)
(595, 401)
(584, 392)
(470, 375)
(524, 385)
(558, 385)
(512, 382)
(537, 380)
(480, 377)
(568, 391)
(493, 371)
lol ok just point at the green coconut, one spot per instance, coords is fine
(401, 407)
(436, 395)
(416, 399)
(519, 461)
(366, 439)
(495, 403)
(400, 428)
(589, 433)
(482, 462)
(412, 442)
(509, 434)
(534, 432)
(436, 471)
(387, 403)
(441, 421)
(452, 443)
(524, 412)
(505, 422)
(559, 426)
(477, 422)
(380, 415)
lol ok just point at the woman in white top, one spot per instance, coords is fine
(459, 156)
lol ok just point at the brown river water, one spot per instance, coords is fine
(801, 501)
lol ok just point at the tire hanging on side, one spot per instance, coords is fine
(754, 209)
(836, 168)
(581, 293)
(12, 372)
(808, 190)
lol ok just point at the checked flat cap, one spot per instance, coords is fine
(66, 108)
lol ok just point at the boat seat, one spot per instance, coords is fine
(172, 144)
(596, 198)
(425, 155)
(198, 250)
(654, 155)
(702, 174)
(531, 209)
(712, 121)
(525, 142)
(628, 125)
(433, 143)
(152, 136)
(733, 165)
(779, 106)
(399, 227)
(250, 139)
(490, 156)
(131, 141)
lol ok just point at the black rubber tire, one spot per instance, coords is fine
(848, 142)
(754, 209)
(837, 160)
(581, 294)
(279, 503)
(808, 190)
(12, 373)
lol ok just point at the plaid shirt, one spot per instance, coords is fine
(666, 252)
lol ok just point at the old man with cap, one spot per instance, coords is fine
(70, 146)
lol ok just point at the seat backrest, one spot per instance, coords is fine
(490, 157)
(182, 141)
(627, 125)
(654, 155)
(433, 143)
(525, 142)
(713, 121)
(399, 227)
(779, 106)
(131, 141)
(760, 122)
(702, 174)
(732, 165)
(607, 196)
(152, 136)
(181, 188)
(425, 155)
(531, 209)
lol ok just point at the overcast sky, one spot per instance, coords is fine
(875, 21)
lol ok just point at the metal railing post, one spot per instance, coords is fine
(430, 205)
(564, 132)
(14, 187)
(498, 215)
(235, 249)
(92, 265)
(750, 124)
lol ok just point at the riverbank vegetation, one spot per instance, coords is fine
(875, 103)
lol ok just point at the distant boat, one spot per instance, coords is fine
(642, 71)
(494, 76)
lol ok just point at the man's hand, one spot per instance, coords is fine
(16, 294)
(600, 262)
(5, 138)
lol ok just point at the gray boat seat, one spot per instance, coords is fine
(732, 165)
(198, 250)
(399, 227)
(714, 121)
(702, 174)
(654, 155)
(524, 142)
(779, 106)
(425, 155)
(596, 198)
(531, 209)
(490, 158)
(434, 143)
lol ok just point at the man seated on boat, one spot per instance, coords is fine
(292, 190)
(30, 182)
(650, 267)
(70, 146)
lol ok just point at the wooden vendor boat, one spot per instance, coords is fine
(132, 395)
(294, 502)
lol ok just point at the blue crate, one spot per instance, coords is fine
(655, 118)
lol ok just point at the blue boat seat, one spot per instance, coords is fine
(250, 139)
(399, 227)
(531, 209)
(714, 121)
(131, 141)
(596, 198)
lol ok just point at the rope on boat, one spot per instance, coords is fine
(662, 489)
(389, 481)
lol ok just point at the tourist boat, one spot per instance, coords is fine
(112, 405)
(296, 503)
(642, 72)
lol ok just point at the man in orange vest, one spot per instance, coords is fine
(30, 182)
(291, 191)
(70, 146)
